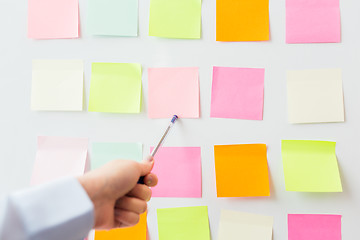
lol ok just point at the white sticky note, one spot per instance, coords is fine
(57, 85)
(237, 225)
(315, 96)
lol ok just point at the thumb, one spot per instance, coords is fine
(146, 165)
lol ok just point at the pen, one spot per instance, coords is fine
(153, 153)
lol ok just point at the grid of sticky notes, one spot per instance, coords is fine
(310, 166)
(191, 223)
(241, 170)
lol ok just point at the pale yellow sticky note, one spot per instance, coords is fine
(237, 225)
(57, 85)
(315, 96)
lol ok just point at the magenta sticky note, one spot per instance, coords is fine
(314, 227)
(58, 157)
(237, 93)
(51, 19)
(174, 91)
(313, 21)
(179, 172)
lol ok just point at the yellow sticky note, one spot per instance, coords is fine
(137, 232)
(190, 223)
(115, 88)
(241, 170)
(242, 20)
(175, 18)
(310, 166)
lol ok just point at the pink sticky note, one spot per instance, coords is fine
(179, 172)
(174, 91)
(49, 19)
(58, 157)
(313, 21)
(237, 93)
(314, 227)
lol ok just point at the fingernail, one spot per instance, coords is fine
(150, 159)
(149, 180)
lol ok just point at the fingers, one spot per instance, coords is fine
(126, 218)
(140, 191)
(131, 204)
(146, 165)
(151, 180)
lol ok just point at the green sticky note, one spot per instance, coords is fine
(113, 17)
(190, 223)
(310, 166)
(115, 88)
(175, 18)
(102, 153)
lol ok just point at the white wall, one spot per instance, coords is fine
(19, 126)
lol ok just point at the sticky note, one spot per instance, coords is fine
(174, 91)
(315, 96)
(314, 227)
(241, 170)
(104, 152)
(49, 19)
(137, 232)
(185, 178)
(175, 18)
(237, 93)
(113, 17)
(190, 223)
(57, 85)
(115, 88)
(242, 20)
(237, 225)
(58, 157)
(310, 166)
(313, 21)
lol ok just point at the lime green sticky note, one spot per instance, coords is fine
(310, 166)
(102, 153)
(115, 88)
(190, 223)
(175, 18)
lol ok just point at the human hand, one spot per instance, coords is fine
(118, 199)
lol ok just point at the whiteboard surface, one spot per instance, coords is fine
(19, 127)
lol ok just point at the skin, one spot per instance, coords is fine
(117, 198)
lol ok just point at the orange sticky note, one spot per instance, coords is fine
(242, 20)
(241, 170)
(137, 232)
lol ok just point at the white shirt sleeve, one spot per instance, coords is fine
(60, 210)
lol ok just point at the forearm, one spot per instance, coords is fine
(58, 210)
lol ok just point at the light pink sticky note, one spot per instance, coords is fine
(174, 91)
(237, 93)
(49, 19)
(314, 227)
(179, 172)
(313, 21)
(58, 157)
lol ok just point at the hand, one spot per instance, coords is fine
(118, 199)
